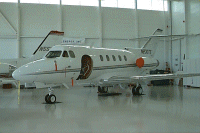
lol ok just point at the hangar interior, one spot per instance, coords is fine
(109, 24)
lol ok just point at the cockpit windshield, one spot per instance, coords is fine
(53, 54)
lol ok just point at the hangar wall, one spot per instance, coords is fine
(118, 25)
(193, 15)
(178, 28)
(8, 30)
(185, 21)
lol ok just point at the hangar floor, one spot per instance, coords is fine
(162, 109)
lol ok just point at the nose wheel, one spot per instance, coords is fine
(50, 98)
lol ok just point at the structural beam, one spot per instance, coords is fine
(100, 26)
(136, 24)
(18, 30)
(10, 25)
(61, 16)
(186, 47)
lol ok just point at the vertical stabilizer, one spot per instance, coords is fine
(149, 48)
(53, 38)
(150, 38)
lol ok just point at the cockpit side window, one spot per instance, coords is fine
(53, 54)
(65, 54)
(71, 53)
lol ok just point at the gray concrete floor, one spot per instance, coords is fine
(162, 109)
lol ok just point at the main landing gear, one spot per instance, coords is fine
(103, 91)
(137, 90)
(50, 98)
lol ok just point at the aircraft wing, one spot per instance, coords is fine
(135, 79)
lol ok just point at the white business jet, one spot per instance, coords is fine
(65, 64)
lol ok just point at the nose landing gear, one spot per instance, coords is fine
(50, 98)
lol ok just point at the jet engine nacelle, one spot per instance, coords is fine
(147, 62)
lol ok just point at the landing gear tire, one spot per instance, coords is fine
(134, 90)
(137, 90)
(46, 98)
(102, 89)
(50, 98)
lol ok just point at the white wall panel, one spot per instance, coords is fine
(29, 45)
(149, 21)
(193, 47)
(118, 44)
(9, 11)
(80, 21)
(178, 18)
(5, 29)
(194, 17)
(8, 48)
(118, 23)
(192, 66)
(186, 20)
(178, 28)
(8, 21)
(92, 42)
(39, 19)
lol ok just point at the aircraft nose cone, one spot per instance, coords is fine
(16, 74)
(25, 73)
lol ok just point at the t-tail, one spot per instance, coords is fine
(53, 38)
(149, 48)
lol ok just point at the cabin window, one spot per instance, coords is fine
(125, 58)
(107, 57)
(101, 57)
(53, 54)
(120, 58)
(114, 59)
(65, 54)
(71, 53)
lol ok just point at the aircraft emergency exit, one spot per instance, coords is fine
(103, 67)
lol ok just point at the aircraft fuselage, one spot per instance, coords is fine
(82, 64)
